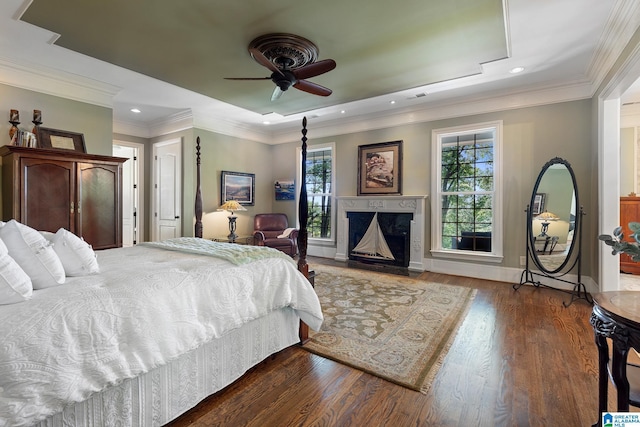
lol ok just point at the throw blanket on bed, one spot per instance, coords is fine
(237, 254)
(146, 307)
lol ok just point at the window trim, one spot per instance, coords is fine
(437, 135)
(318, 147)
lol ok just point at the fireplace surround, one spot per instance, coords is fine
(414, 205)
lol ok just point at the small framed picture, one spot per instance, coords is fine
(61, 139)
(538, 204)
(285, 190)
(238, 186)
(380, 168)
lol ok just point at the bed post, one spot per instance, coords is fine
(303, 213)
(198, 207)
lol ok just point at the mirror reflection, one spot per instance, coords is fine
(553, 216)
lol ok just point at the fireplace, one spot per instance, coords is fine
(410, 208)
(395, 229)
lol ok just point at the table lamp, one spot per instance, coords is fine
(232, 206)
(545, 217)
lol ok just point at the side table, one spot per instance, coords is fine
(240, 240)
(616, 315)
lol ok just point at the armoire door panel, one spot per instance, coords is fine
(48, 194)
(99, 204)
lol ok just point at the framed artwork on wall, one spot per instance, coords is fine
(538, 204)
(380, 168)
(60, 139)
(285, 190)
(238, 186)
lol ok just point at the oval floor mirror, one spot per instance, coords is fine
(554, 231)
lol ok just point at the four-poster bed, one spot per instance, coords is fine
(161, 327)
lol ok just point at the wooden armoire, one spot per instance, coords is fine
(629, 212)
(49, 189)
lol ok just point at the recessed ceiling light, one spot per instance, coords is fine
(266, 122)
(135, 110)
(342, 112)
(392, 102)
(516, 70)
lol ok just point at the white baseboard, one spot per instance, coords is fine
(480, 271)
(503, 274)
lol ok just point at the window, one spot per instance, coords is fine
(319, 186)
(466, 189)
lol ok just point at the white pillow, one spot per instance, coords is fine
(15, 285)
(34, 254)
(76, 255)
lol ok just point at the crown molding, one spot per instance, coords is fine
(623, 22)
(53, 82)
(463, 106)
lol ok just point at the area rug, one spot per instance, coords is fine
(394, 327)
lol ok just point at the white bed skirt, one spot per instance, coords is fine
(163, 394)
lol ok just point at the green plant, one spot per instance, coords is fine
(620, 246)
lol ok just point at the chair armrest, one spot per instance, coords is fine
(294, 234)
(259, 237)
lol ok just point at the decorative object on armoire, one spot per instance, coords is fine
(394, 327)
(52, 189)
(625, 237)
(61, 139)
(557, 250)
(37, 121)
(232, 206)
(380, 168)
(14, 119)
(238, 186)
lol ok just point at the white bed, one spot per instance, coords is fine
(151, 335)
(157, 330)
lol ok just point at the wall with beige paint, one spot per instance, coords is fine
(96, 123)
(532, 136)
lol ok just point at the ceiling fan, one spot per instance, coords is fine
(289, 64)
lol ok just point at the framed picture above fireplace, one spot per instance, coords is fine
(380, 168)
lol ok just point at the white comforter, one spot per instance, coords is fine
(146, 307)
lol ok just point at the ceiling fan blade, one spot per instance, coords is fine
(277, 93)
(264, 61)
(314, 69)
(313, 88)
(247, 78)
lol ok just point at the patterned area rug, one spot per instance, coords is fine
(393, 327)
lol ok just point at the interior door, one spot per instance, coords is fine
(167, 189)
(131, 187)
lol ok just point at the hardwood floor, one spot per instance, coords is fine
(520, 359)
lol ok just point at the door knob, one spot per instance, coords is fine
(177, 216)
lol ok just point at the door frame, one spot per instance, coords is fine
(140, 214)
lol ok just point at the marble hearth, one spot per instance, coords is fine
(389, 204)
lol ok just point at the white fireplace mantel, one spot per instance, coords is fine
(390, 204)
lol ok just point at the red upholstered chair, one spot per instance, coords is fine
(267, 228)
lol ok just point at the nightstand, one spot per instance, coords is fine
(240, 240)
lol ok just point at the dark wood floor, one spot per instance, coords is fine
(520, 359)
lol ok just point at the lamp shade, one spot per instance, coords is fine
(231, 206)
(547, 216)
